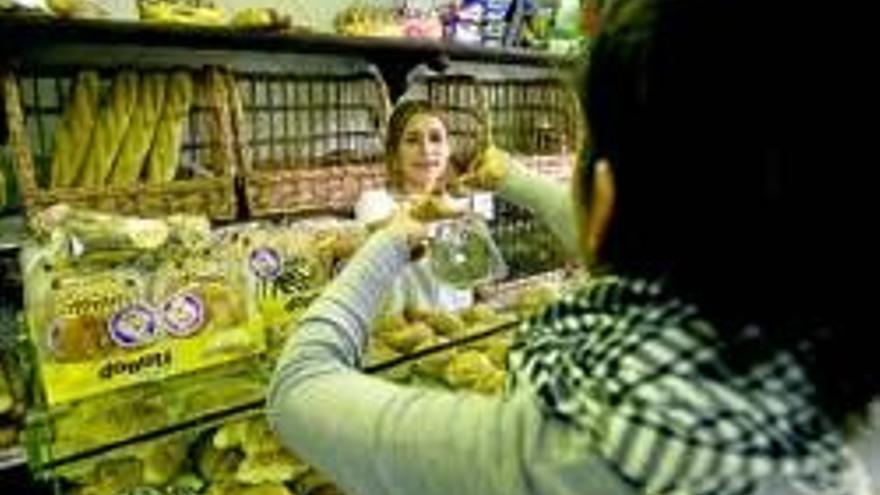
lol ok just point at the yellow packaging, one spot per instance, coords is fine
(289, 264)
(97, 329)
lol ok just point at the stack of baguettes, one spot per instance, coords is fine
(132, 134)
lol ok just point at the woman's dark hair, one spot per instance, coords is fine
(400, 117)
(719, 118)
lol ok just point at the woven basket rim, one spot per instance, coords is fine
(35, 196)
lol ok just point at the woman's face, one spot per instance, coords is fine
(423, 153)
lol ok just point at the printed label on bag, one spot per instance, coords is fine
(183, 314)
(133, 326)
(139, 365)
(266, 263)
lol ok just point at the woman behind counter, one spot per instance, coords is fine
(729, 354)
(418, 155)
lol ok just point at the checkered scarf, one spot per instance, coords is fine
(641, 372)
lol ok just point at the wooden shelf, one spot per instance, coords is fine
(34, 32)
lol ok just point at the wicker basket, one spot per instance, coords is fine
(308, 142)
(538, 120)
(35, 105)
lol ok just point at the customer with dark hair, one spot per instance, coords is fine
(726, 354)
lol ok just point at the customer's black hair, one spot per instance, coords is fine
(734, 181)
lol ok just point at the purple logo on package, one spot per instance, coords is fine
(133, 326)
(184, 314)
(266, 263)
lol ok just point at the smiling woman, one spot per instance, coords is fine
(419, 151)
(417, 148)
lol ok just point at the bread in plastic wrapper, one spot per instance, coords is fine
(445, 323)
(174, 307)
(111, 417)
(462, 253)
(68, 311)
(479, 313)
(162, 460)
(106, 237)
(288, 264)
(407, 338)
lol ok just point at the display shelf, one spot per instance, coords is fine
(39, 39)
(193, 426)
(32, 33)
(55, 437)
(43, 460)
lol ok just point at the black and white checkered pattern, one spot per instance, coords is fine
(641, 371)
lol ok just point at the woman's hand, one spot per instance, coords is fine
(416, 234)
(489, 171)
(431, 207)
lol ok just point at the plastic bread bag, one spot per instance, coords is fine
(91, 236)
(462, 253)
(95, 236)
(68, 308)
(289, 264)
(200, 292)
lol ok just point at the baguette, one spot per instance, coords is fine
(136, 144)
(73, 135)
(164, 158)
(217, 98)
(239, 124)
(110, 128)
